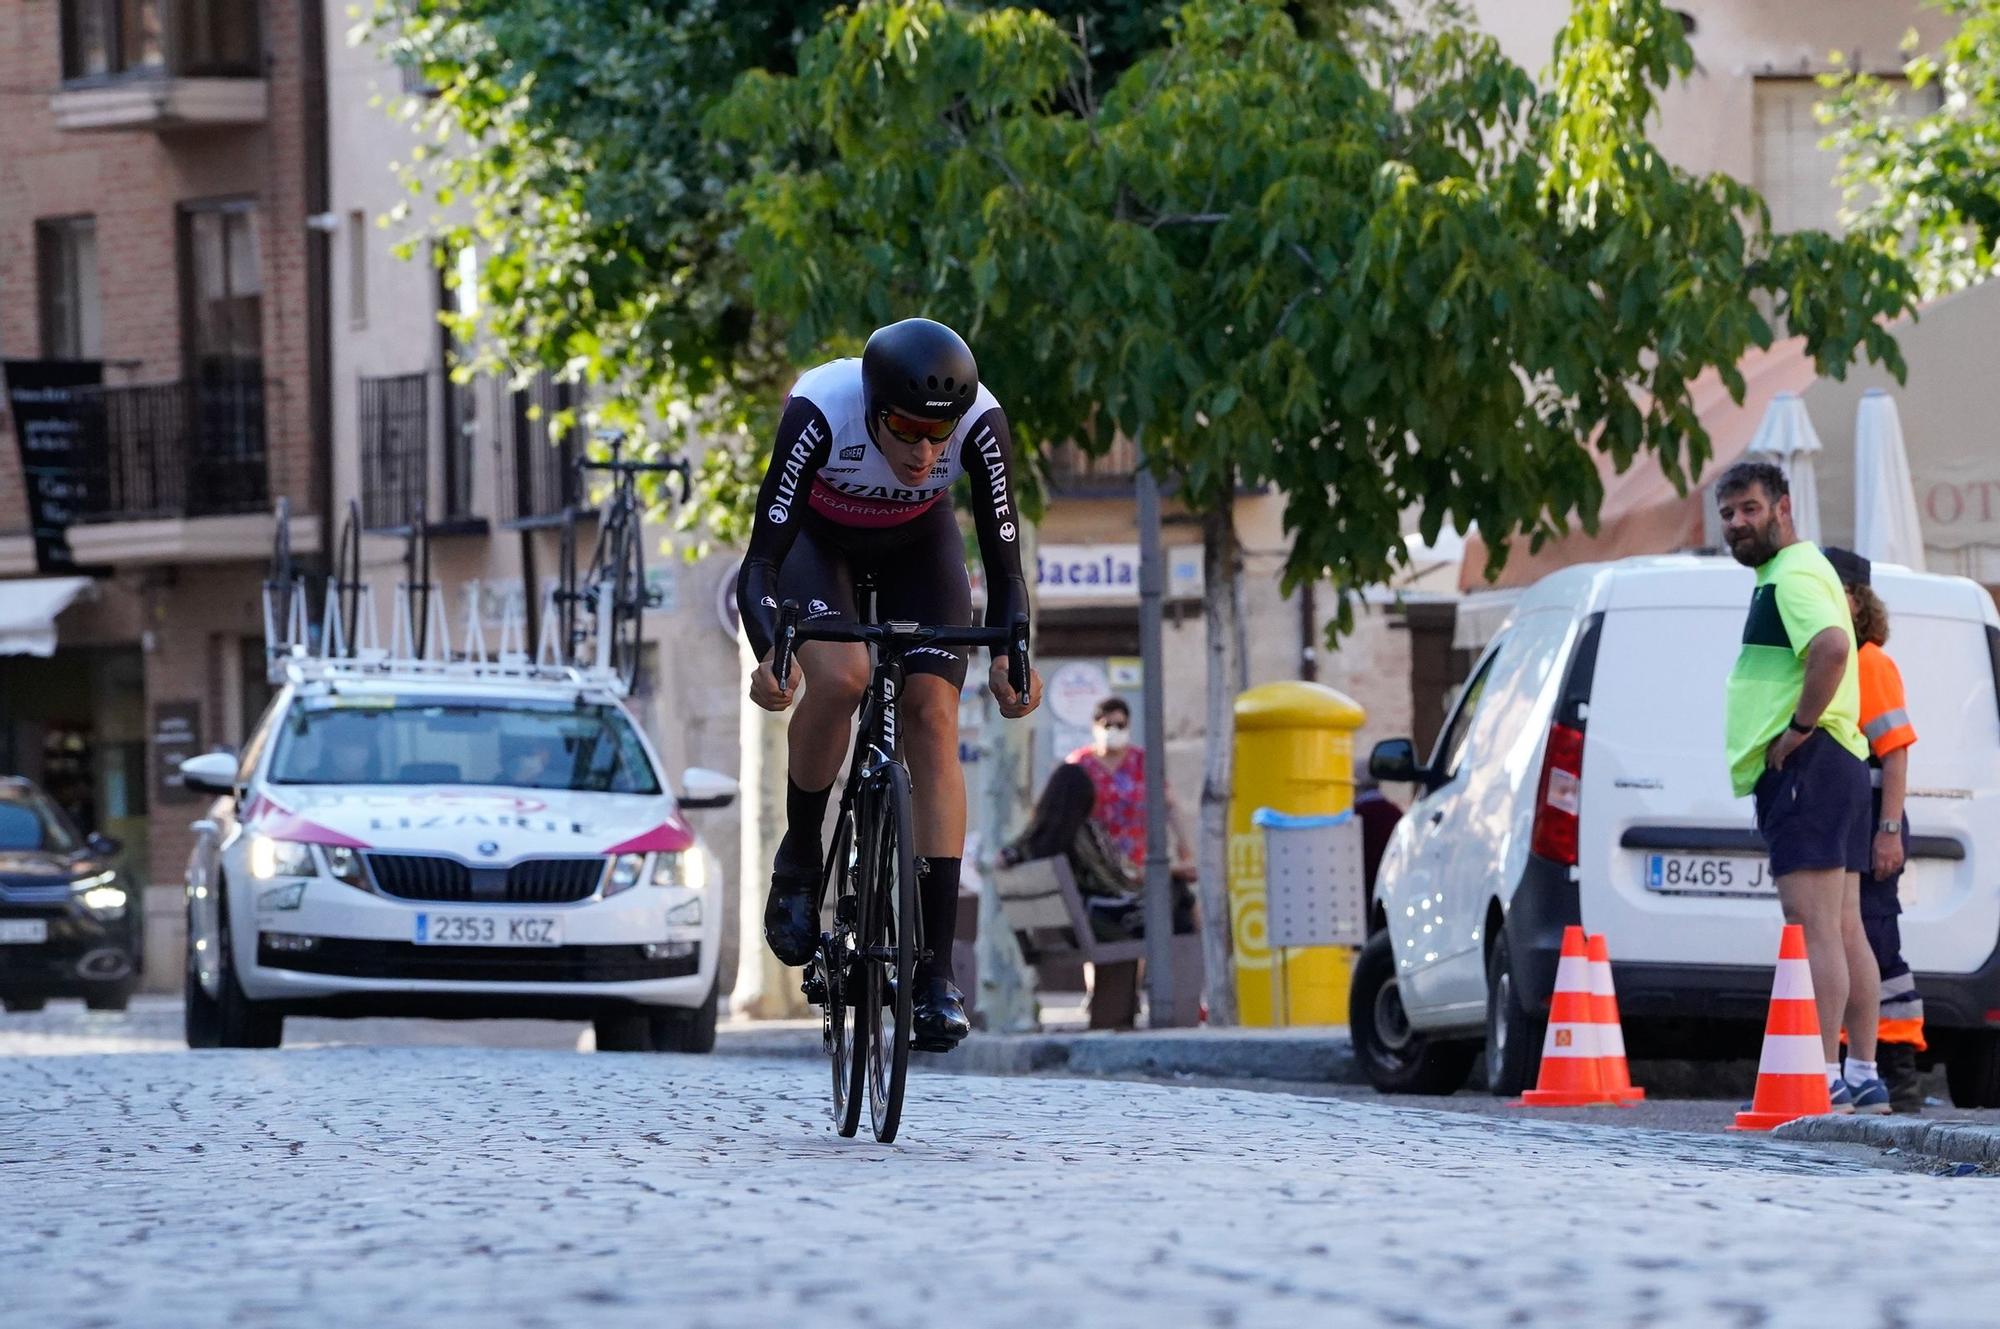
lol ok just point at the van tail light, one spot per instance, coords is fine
(1561, 796)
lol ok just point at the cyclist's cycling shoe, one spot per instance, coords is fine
(939, 1016)
(791, 928)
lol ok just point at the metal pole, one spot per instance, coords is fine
(1159, 900)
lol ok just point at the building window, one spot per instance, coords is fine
(225, 289)
(72, 316)
(1797, 176)
(357, 269)
(109, 38)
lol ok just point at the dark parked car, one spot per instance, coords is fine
(70, 924)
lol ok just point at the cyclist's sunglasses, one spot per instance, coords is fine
(911, 429)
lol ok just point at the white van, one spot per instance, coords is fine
(1581, 779)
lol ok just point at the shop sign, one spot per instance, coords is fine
(176, 737)
(51, 420)
(1102, 574)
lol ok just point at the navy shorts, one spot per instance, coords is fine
(1814, 813)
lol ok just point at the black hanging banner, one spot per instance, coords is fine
(51, 418)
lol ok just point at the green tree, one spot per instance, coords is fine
(1381, 270)
(1929, 185)
(567, 142)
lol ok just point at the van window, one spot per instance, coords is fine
(1525, 676)
(1451, 742)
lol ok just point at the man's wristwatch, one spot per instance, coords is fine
(1889, 826)
(1798, 728)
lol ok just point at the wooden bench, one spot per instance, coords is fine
(1051, 924)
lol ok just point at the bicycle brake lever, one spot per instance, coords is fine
(1017, 657)
(788, 631)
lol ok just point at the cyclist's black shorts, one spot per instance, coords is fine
(919, 572)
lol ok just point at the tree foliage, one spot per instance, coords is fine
(568, 143)
(1381, 273)
(1929, 185)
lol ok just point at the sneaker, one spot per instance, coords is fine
(1843, 1096)
(791, 927)
(1870, 1097)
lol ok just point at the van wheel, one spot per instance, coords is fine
(1513, 1036)
(686, 1030)
(1972, 1070)
(1396, 1058)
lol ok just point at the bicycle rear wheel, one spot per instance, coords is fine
(889, 914)
(846, 1033)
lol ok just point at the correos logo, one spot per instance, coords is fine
(1007, 531)
(777, 513)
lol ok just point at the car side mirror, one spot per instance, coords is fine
(703, 788)
(210, 773)
(1394, 761)
(104, 846)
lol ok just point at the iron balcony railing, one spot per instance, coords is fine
(416, 450)
(194, 448)
(1071, 470)
(545, 484)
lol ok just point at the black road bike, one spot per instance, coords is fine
(863, 975)
(617, 562)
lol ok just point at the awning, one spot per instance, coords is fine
(28, 612)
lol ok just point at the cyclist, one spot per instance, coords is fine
(860, 480)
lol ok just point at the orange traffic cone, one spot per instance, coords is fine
(1611, 1065)
(1569, 1075)
(1791, 1075)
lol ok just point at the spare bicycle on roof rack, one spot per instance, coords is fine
(590, 625)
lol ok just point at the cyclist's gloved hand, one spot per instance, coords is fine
(1012, 705)
(764, 689)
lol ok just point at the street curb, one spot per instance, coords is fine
(1315, 1055)
(1945, 1141)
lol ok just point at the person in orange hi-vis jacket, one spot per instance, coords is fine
(1885, 723)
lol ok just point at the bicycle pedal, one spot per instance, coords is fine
(933, 1044)
(814, 987)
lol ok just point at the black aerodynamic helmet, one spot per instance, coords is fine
(919, 368)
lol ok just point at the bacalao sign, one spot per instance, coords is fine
(1103, 574)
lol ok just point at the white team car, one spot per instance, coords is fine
(451, 847)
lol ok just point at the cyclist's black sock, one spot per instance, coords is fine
(937, 893)
(800, 851)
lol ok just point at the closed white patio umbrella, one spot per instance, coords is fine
(1886, 527)
(1786, 436)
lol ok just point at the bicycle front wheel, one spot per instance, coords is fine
(845, 1027)
(889, 913)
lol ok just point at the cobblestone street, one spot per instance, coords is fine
(531, 1186)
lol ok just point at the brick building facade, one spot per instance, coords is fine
(157, 172)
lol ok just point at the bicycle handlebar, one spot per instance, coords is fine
(1013, 637)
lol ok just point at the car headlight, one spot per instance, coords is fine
(686, 868)
(103, 900)
(344, 864)
(624, 874)
(280, 858)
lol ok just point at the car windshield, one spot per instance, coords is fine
(380, 740)
(30, 822)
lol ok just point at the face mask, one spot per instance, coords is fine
(1111, 739)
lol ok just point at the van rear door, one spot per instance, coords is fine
(1673, 869)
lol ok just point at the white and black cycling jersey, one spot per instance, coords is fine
(827, 469)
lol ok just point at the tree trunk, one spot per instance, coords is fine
(1223, 621)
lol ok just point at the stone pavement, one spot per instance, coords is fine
(453, 1185)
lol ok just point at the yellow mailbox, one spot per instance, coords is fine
(1294, 754)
